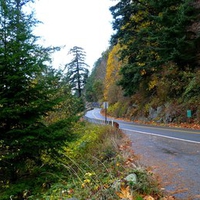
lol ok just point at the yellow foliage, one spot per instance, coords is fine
(112, 70)
(140, 64)
(139, 16)
(33, 83)
(125, 193)
(148, 198)
(87, 138)
(145, 24)
(153, 83)
(143, 72)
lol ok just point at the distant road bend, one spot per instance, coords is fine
(186, 135)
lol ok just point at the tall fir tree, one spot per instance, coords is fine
(27, 94)
(77, 70)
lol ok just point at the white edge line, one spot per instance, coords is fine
(95, 117)
(173, 138)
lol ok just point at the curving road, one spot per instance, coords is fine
(172, 153)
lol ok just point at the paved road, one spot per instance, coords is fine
(174, 154)
(187, 135)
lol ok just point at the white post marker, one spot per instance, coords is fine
(105, 106)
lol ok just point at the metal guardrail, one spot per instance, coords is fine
(95, 121)
(102, 122)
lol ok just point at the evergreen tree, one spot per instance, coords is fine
(131, 19)
(96, 80)
(77, 72)
(94, 89)
(153, 33)
(27, 93)
(170, 31)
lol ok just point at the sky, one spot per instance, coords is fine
(69, 23)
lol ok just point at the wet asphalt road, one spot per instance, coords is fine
(176, 162)
(173, 154)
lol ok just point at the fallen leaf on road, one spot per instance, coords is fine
(124, 193)
(148, 198)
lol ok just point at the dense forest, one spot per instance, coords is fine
(151, 70)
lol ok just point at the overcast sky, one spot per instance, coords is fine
(83, 23)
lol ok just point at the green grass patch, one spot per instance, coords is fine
(95, 167)
(99, 164)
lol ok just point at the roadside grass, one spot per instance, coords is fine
(100, 165)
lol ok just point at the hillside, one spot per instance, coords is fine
(153, 65)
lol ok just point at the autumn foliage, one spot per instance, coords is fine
(153, 61)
